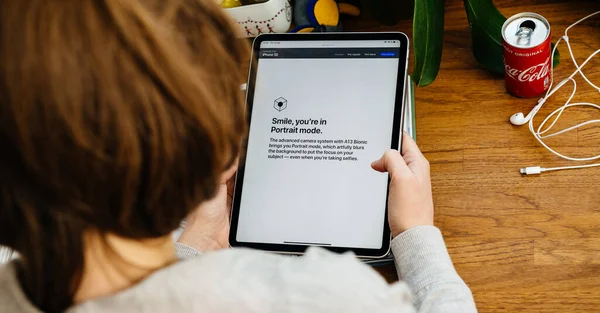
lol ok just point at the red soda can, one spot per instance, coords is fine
(527, 54)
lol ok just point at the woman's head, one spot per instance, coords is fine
(116, 116)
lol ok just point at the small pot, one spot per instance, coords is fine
(273, 16)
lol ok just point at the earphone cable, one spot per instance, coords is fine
(539, 133)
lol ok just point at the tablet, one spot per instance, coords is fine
(321, 108)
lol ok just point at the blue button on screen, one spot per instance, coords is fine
(387, 54)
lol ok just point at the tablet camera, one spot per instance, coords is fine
(280, 104)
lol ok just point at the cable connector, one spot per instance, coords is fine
(532, 170)
(566, 38)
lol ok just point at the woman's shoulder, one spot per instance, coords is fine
(256, 269)
(253, 281)
(242, 264)
(12, 298)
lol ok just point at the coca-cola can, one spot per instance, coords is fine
(527, 51)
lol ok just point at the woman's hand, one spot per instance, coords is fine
(207, 228)
(410, 202)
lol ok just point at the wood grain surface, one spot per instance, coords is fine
(523, 244)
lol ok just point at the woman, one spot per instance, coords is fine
(117, 122)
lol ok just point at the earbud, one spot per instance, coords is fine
(519, 119)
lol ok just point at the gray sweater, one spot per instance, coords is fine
(243, 280)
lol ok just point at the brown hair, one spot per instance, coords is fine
(115, 116)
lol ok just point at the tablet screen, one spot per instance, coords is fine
(322, 112)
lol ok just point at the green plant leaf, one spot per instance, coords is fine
(556, 60)
(428, 38)
(486, 23)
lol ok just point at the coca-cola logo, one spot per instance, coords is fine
(531, 74)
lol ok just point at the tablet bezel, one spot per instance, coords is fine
(396, 136)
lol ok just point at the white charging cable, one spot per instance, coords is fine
(540, 134)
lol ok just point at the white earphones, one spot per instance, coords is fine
(518, 119)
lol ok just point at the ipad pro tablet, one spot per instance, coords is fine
(321, 108)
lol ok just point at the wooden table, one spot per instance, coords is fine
(523, 244)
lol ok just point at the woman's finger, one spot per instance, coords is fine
(391, 162)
